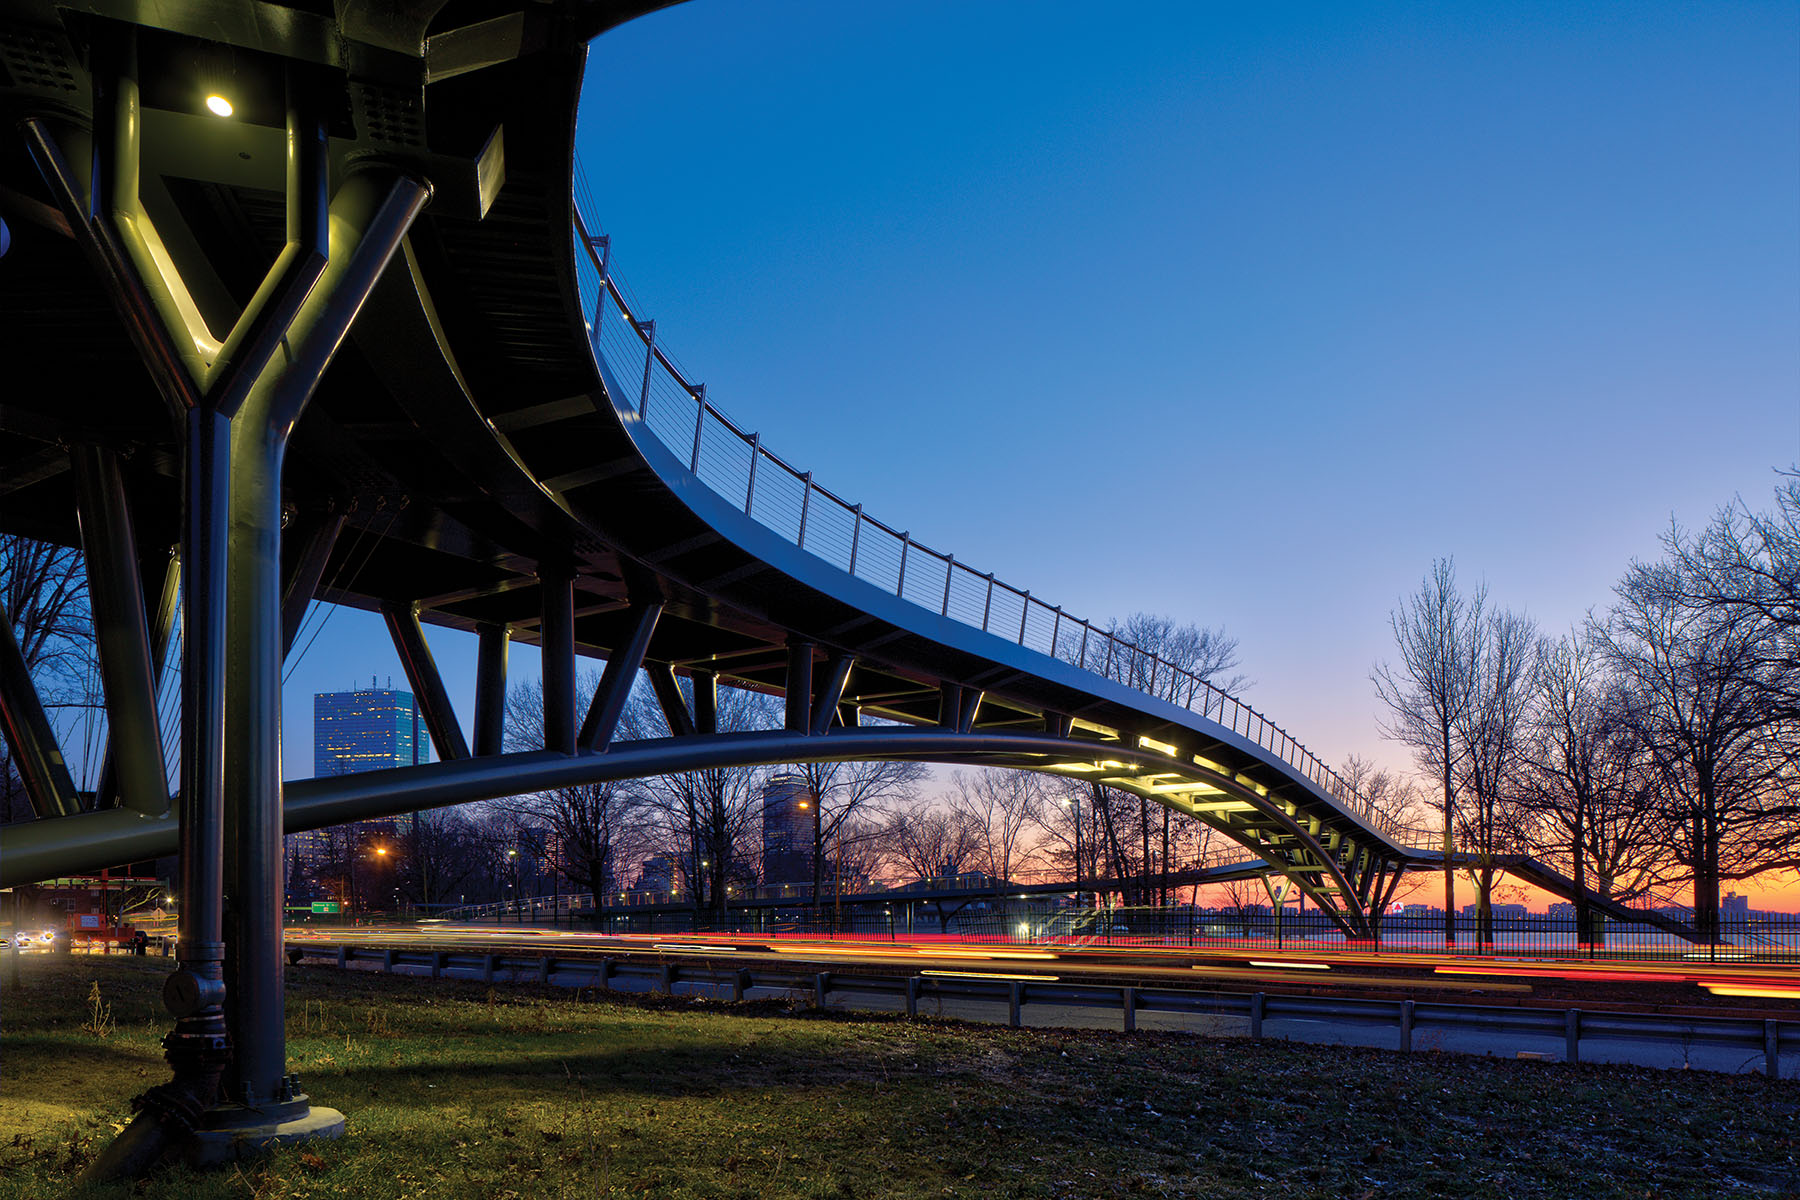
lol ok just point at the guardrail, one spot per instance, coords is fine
(1409, 1018)
(735, 464)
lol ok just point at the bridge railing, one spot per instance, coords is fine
(734, 463)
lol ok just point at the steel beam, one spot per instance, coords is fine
(40, 849)
(427, 684)
(121, 632)
(36, 755)
(308, 570)
(490, 688)
(614, 689)
(831, 690)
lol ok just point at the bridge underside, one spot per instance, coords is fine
(334, 348)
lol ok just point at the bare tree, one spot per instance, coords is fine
(1158, 655)
(1394, 798)
(998, 806)
(929, 841)
(43, 590)
(593, 826)
(1428, 691)
(1698, 675)
(1749, 562)
(712, 814)
(1586, 779)
(1489, 729)
(844, 794)
(435, 858)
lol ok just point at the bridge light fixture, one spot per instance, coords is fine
(218, 105)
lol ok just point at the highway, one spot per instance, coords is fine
(1739, 986)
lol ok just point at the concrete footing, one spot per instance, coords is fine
(209, 1147)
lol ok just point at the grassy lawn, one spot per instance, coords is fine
(454, 1090)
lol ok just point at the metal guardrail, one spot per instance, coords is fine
(1770, 1038)
(736, 465)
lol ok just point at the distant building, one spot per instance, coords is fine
(1735, 905)
(787, 849)
(656, 874)
(364, 730)
(1499, 910)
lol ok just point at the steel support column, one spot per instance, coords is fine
(370, 218)
(622, 665)
(557, 643)
(490, 688)
(427, 685)
(799, 686)
(669, 698)
(121, 632)
(706, 701)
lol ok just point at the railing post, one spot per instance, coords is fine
(1024, 615)
(1572, 1035)
(1258, 1002)
(912, 995)
(988, 608)
(1085, 630)
(699, 424)
(603, 243)
(855, 537)
(1128, 1008)
(1015, 997)
(821, 985)
(649, 331)
(905, 545)
(949, 570)
(1406, 1026)
(1771, 1050)
(750, 488)
(805, 503)
(1055, 630)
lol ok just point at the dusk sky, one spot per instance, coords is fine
(1238, 314)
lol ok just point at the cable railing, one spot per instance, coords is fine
(736, 465)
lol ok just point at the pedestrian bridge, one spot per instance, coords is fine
(502, 446)
(297, 306)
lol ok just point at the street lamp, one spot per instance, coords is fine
(512, 860)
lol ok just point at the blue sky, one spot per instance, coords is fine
(1237, 313)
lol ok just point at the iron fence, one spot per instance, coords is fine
(1047, 920)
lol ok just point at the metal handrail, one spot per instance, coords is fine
(898, 563)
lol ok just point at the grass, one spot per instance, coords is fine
(456, 1090)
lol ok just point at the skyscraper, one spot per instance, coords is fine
(365, 731)
(787, 831)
